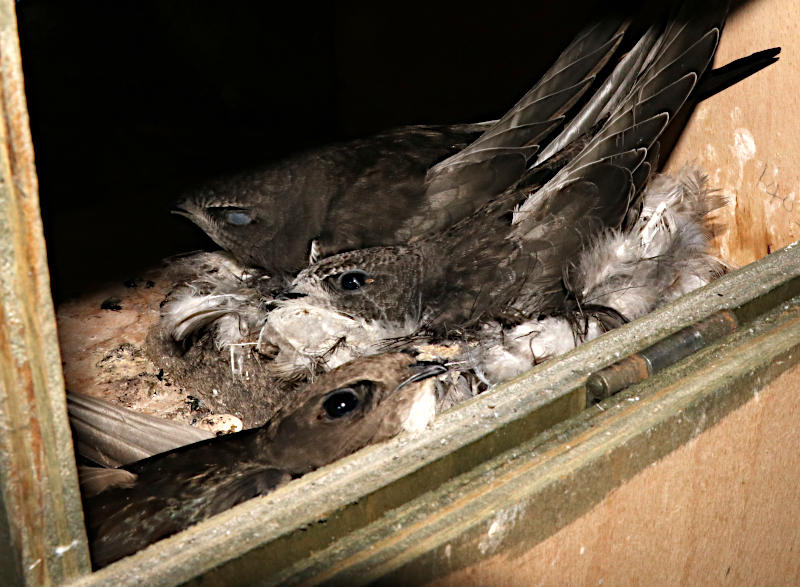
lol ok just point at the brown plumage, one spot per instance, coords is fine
(510, 262)
(511, 256)
(358, 404)
(398, 184)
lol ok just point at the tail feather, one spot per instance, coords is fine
(721, 78)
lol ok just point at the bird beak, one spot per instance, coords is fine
(290, 295)
(179, 210)
(424, 370)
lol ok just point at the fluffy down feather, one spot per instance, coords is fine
(664, 255)
(222, 296)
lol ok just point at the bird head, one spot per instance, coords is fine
(359, 403)
(230, 223)
(258, 215)
(344, 307)
(379, 283)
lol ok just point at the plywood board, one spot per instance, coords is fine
(723, 508)
(747, 139)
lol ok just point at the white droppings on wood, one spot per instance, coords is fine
(743, 149)
(62, 549)
(499, 528)
(744, 145)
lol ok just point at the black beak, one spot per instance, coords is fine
(289, 295)
(179, 210)
(423, 370)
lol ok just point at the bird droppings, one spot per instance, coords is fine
(111, 304)
(221, 424)
(60, 550)
(499, 528)
(744, 145)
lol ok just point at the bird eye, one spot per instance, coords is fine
(353, 280)
(341, 402)
(233, 215)
(238, 218)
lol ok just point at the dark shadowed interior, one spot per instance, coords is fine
(132, 103)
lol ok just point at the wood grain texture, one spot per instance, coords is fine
(41, 524)
(747, 139)
(722, 509)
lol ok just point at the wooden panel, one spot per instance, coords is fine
(41, 525)
(722, 508)
(746, 137)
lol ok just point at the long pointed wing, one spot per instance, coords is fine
(498, 158)
(111, 435)
(684, 51)
(606, 98)
(594, 190)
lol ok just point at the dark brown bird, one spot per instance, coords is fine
(360, 403)
(358, 302)
(393, 186)
(512, 259)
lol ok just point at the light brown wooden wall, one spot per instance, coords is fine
(748, 138)
(722, 509)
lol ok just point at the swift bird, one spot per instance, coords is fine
(359, 403)
(626, 273)
(398, 184)
(511, 261)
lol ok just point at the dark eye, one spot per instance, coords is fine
(341, 402)
(353, 280)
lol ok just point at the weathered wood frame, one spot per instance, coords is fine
(41, 523)
(529, 445)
